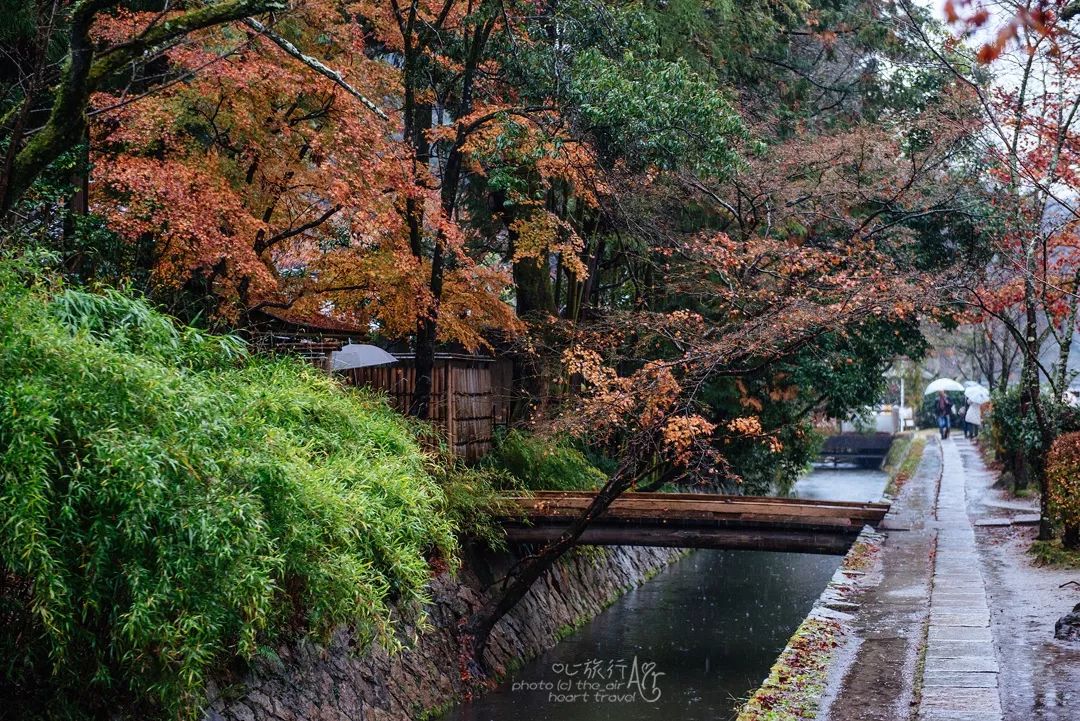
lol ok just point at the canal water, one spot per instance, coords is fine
(690, 644)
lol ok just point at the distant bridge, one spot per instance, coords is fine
(866, 450)
(694, 520)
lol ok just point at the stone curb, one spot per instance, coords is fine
(832, 610)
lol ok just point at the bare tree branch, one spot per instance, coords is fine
(314, 64)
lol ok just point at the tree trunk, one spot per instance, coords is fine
(427, 326)
(532, 276)
(1070, 538)
(532, 287)
(520, 579)
(416, 122)
(67, 121)
(424, 367)
(1006, 372)
(78, 205)
(83, 73)
(1067, 335)
(590, 294)
(1030, 401)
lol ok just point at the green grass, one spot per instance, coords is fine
(167, 504)
(568, 629)
(920, 667)
(1052, 553)
(899, 448)
(903, 460)
(437, 711)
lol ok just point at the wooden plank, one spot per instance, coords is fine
(695, 521)
(447, 393)
(675, 508)
(699, 504)
(714, 496)
(836, 526)
(678, 510)
(698, 508)
(732, 539)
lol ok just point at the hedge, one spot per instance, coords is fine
(168, 504)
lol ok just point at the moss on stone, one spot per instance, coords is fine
(796, 681)
(903, 460)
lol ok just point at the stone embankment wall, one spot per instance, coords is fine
(304, 681)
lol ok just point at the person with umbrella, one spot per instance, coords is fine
(943, 409)
(976, 395)
(943, 405)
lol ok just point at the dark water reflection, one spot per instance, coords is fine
(712, 624)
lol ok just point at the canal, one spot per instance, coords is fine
(689, 644)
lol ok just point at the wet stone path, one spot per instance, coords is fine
(960, 680)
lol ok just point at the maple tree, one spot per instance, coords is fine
(689, 269)
(383, 238)
(818, 248)
(532, 107)
(300, 192)
(86, 68)
(250, 157)
(1030, 143)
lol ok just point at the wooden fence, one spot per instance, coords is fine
(469, 396)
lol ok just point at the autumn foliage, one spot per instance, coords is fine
(691, 231)
(272, 187)
(659, 241)
(1063, 477)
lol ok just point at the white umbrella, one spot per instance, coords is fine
(942, 384)
(977, 394)
(357, 355)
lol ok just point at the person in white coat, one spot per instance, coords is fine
(972, 420)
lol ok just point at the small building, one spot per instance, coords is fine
(470, 395)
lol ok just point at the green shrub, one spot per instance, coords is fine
(471, 494)
(1012, 433)
(540, 464)
(1015, 435)
(1063, 479)
(166, 505)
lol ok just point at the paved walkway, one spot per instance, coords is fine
(873, 679)
(960, 681)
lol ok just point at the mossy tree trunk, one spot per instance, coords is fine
(85, 70)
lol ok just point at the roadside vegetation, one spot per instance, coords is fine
(536, 463)
(1030, 458)
(903, 460)
(793, 689)
(1052, 553)
(796, 683)
(1063, 486)
(168, 503)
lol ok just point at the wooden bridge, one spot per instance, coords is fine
(694, 520)
(866, 450)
